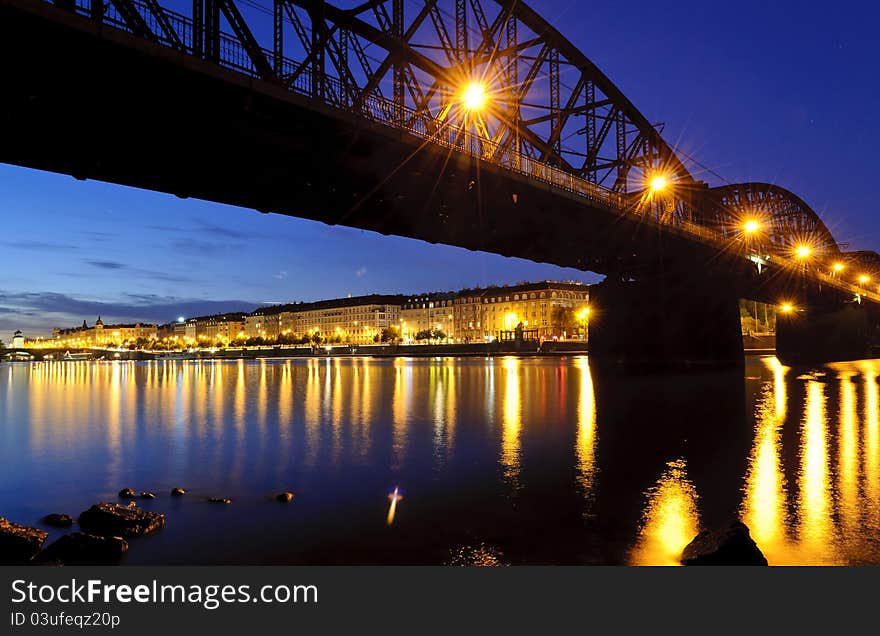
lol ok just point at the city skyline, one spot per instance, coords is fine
(464, 315)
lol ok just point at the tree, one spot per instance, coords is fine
(2, 345)
(430, 334)
(563, 321)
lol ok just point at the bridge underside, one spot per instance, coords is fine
(97, 103)
(106, 105)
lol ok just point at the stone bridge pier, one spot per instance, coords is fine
(666, 321)
(827, 331)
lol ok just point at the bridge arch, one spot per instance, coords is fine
(784, 219)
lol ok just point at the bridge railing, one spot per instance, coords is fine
(233, 55)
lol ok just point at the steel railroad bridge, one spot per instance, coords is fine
(471, 123)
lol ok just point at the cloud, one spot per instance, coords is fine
(98, 237)
(38, 312)
(280, 275)
(40, 246)
(224, 232)
(360, 272)
(190, 246)
(210, 229)
(107, 265)
(145, 273)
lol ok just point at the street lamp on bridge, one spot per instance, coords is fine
(474, 97)
(658, 183)
(803, 252)
(751, 227)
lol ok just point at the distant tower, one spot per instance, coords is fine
(99, 331)
(18, 340)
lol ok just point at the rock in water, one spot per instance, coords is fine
(178, 492)
(732, 545)
(58, 520)
(148, 495)
(127, 493)
(19, 544)
(85, 549)
(115, 520)
(284, 497)
(220, 500)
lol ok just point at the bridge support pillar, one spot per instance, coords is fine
(665, 322)
(825, 333)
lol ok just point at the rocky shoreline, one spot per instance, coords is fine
(104, 532)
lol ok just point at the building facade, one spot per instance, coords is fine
(356, 320)
(224, 328)
(467, 312)
(554, 310)
(105, 335)
(426, 313)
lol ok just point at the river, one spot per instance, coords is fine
(494, 461)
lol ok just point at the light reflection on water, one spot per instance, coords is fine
(541, 460)
(671, 518)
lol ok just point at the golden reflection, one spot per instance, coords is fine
(336, 420)
(670, 521)
(870, 370)
(372, 385)
(512, 423)
(586, 428)
(392, 507)
(814, 509)
(764, 508)
(848, 457)
(400, 408)
(312, 411)
(442, 396)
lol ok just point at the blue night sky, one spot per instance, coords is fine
(783, 92)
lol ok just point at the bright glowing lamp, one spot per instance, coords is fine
(658, 183)
(786, 308)
(803, 251)
(864, 278)
(474, 96)
(838, 267)
(751, 226)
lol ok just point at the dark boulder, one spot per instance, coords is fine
(177, 492)
(220, 500)
(127, 493)
(19, 544)
(58, 520)
(84, 549)
(732, 545)
(284, 497)
(115, 520)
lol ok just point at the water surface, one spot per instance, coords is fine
(495, 461)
